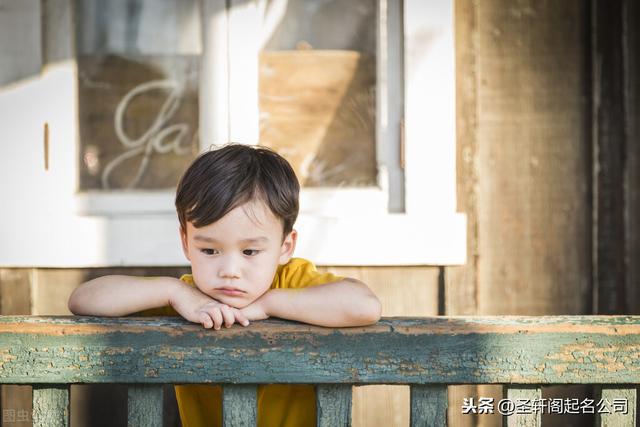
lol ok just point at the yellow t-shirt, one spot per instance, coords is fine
(280, 405)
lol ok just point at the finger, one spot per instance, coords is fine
(216, 315)
(228, 316)
(206, 321)
(240, 317)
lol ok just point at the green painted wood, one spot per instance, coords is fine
(617, 407)
(51, 405)
(333, 405)
(445, 350)
(428, 405)
(524, 397)
(239, 405)
(145, 405)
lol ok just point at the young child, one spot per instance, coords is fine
(237, 206)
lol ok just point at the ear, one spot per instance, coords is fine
(288, 246)
(185, 245)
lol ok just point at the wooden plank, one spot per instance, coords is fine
(145, 405)
(461, 282)
(617, 407)
(477, 350)
(428, 405)
(333, 403)
(524, 395)
(528, 161)
(608, 156)
(51, 406)
(15, 298)
(239, 405)
(533, 158)
(631, 45)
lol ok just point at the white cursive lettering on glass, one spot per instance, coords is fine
(156, 138)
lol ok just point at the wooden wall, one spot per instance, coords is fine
(547, 117)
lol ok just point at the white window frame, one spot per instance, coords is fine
(341, 226)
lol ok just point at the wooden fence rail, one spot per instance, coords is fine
(524, 353)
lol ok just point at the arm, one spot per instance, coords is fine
(347, 302)
(123, 295)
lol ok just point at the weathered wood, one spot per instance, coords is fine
(145, 405)
(631, 45)
(51, 406)
(618, 408)
(15, 299)
(333, 403)
(533, 157)
(608, 156)
(517, 394)
(239, 405)
(447, 350)
(428, 405)
(461, 282)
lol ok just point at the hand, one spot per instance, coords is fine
(257, 309)
(197, 307)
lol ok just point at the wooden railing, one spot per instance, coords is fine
(428, 354)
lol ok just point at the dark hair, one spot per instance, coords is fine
(224, 178)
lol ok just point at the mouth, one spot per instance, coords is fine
(231, 291)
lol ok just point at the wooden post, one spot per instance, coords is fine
(333, 405)
(428, 405)
(239, 405)
(51, 406)
(608, 156)
(145, 406)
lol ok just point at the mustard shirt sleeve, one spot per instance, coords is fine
(301, 273)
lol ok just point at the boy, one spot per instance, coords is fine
(237, 206)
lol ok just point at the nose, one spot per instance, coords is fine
(229, 268)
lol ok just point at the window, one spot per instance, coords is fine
(359, 97)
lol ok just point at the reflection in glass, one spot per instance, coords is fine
(317, 89)
(138, 91)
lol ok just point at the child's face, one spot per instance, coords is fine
(235, 259)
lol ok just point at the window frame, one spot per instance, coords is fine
(414, 200)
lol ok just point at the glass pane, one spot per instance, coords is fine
(317, 89)
(138, 64)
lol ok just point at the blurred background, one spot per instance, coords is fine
(460, 157)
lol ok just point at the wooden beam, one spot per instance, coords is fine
(445, 350)
(608, 156)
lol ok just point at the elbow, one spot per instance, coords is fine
(369, 313)
(73, 304)
(375, 310)
(370, 309)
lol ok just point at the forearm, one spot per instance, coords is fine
(344, 303)
(121, 295)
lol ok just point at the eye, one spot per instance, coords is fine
(250, 252)
(209, 251)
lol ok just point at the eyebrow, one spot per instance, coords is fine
(260, 239)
